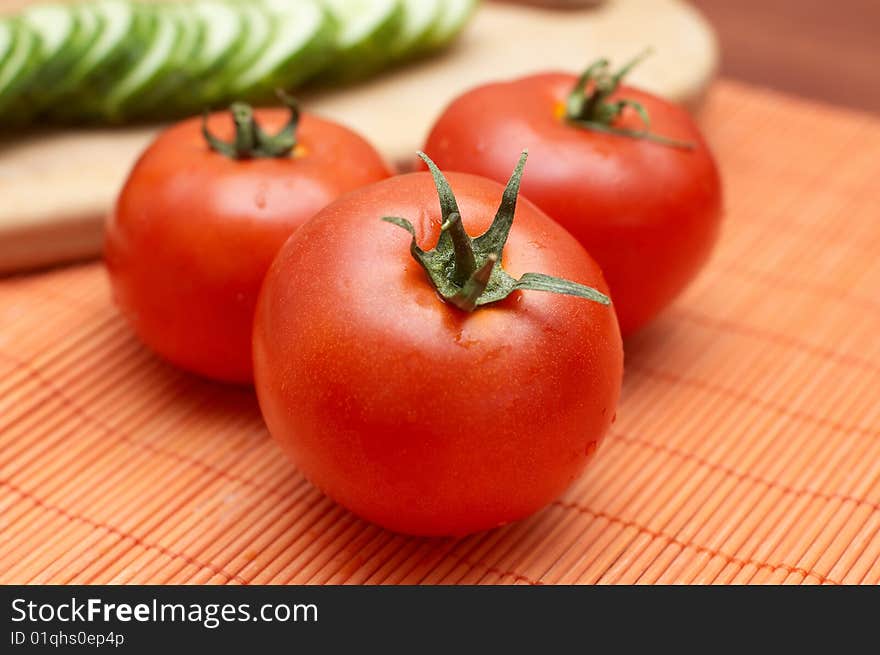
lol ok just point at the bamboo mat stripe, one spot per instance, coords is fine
(746, 447)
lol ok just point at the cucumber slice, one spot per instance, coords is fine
(7, 56)
(171, 68)
(212, 33)
(181, 71)
(302, 41)
(259, 33)
(419, 19)
(5, 39)
(19, 46)
(56, 26)
(55, 78)
(118, 44)
(223, 30)
(364, 29)
(452, 18)
(150, 71)
(115, 22)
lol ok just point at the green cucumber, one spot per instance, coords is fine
(364, 29)
(117, 48)
(212, 32)
(149, 73)
(258, 34)
(53, 80)
(169, 70)
(452, 19)
(111, 21)
(6, 38)
(181, 73)
(302, 41)
(223, 30)
(115, 60)
(419, 20)
(19, 46)
(56, 26)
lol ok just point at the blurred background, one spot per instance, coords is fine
(816, 48)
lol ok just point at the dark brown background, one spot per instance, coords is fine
(825, 49)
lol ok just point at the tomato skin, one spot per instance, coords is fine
(193, 233)
(414, 414)
(648, 213)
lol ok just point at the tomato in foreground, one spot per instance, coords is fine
(626, 172)
(203, 214)
(437, 392)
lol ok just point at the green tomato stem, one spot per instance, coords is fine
(588, 107)
(467, 298)
(467, 272)
(250, 141)
(465, 262)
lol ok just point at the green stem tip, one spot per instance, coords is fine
(250, 141)
(588, 106)
(467, 271)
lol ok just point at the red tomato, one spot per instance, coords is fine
(410, 412)
(194, 232)
(648, 212)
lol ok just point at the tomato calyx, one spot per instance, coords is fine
(466, 271)
(588, 107)
(250, 140)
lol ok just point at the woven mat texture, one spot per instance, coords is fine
(746, 450)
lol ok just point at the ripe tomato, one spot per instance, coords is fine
(195, 229)
(646, 208)
(410, 411)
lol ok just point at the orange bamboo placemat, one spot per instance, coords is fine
(747, 447)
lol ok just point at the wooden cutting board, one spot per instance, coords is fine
(56, 187)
